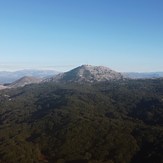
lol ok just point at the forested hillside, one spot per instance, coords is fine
(109, 122)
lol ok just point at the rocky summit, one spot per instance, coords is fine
(87, 73)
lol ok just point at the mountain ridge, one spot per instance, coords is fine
(143, 75)
(9, 77)
(26, 80)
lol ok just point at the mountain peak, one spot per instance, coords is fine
(87, 73)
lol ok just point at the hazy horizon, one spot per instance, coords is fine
(125, 36)
(13, 68)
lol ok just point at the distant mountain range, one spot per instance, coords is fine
(81, 74)
(143, 75)
(9, 77)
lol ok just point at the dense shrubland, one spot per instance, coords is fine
(114, 122)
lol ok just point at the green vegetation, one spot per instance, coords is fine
(114, 122)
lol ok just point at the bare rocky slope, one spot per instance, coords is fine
(87, 73)
(2, 87)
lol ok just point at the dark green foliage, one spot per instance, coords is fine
(114, 122)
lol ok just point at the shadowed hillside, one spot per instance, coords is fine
(109, 122)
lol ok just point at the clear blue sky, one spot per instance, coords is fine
(125, 35)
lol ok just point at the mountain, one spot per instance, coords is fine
(145, 75)
(9, 77)
(87, 73)
(26, 80)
